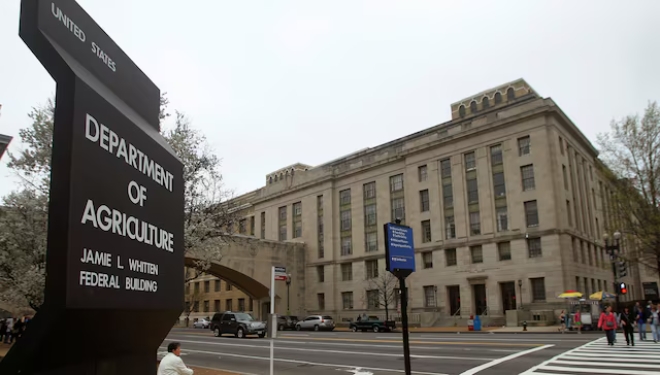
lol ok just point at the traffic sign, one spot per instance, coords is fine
(280, 273)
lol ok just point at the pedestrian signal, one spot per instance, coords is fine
(623, 289)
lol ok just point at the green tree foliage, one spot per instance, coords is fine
(631, 151)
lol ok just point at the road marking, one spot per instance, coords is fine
(357, 371)
(418, 342)
(490, 364)
(483, 339)
(308, 363)
(338, 351)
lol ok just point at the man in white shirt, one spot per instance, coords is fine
(172, 364)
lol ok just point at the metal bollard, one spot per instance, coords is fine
(524, 325)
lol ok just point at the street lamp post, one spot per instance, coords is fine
(612, 247)
(288, 294)
(520, 289)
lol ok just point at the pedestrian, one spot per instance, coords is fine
(642, 317)
(607, 322)
(8, 330)
(562, 319)
(577, 321)
(18, 329)
(654, 322)
(628, 325)
(172, 364)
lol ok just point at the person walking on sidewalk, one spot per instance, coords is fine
(642, 317)
(172, 364)
(654, 322)
(628, 325)
(607, 323)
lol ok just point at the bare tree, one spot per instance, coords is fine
(631, 152)
(381, 292)
(192, 304)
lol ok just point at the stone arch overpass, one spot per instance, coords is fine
(246, 263)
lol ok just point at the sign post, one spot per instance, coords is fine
(400, 261)
(115, 222)
(276, 274)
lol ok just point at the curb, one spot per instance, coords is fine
(492, 332)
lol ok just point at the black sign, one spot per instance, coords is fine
(650, 291)
(74, 33)
(114, 284)
(126, 232)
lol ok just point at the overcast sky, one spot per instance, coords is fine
(272, 83)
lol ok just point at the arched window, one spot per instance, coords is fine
(498, 98)
(461, 111)
(270, 179)
(485, 103)
(281, 176)
(510, 95)
(275, 178)
(292, 171)
(473, 107)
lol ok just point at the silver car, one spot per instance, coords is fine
(201, 323)
(316, 323)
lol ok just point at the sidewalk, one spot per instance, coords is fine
(547, 329)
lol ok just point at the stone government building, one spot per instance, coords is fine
(506, 201)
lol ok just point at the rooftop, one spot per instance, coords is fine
(4, 142)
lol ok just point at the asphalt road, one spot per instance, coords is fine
(322, 353)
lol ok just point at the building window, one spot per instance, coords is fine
(207, 286)
(282, 235)
(371, 239)
(396, 183)
(346, 246)
(207, 306)
(422, 172)
(398, 209)
(450, 227)
(241, 304)
(447, 195)
(426, 231)
(424, 200)
(297, 209)
(534, 247)
(347, 300)
(216, 305)
(475, 223)
(445, 168)
(345, 220)
(263, 225)
(229, 304)
(320, 272)
(429, 296)
(502, 219)
(561, 146)
(297, 220)
(319, 204)
(461, 111)
(498, 98)
(242, 226)
(345, 197)
(196, 287)
(510, 94)
(297, 229)
(496, 155)
(524, 145)
(227, 287)
(282, 213)
(473, 107)
(499, 187)
(251, 225)
(563, 171)
(321, 238)
(527, 173)
(346, 271)
(369, 190)
(427, 259)
(373, 299)
(282, 223)
(568, 213)
(476, 254)
(216, 286)
(470, 161)
(371, 267)
(320, 298)
(504, 250)
(472, 190)
(370, 215)
(485, 103)
(450, 257)
(538, 289)
(531, 214)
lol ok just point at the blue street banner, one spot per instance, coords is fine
(399, 248)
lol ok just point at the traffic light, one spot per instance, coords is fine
(623, 268)
(623, 289)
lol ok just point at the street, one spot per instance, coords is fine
(324, 353)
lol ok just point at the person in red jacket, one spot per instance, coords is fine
(607, 322)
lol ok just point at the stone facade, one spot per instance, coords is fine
(506, 202)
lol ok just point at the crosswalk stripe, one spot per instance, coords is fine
(597, 357)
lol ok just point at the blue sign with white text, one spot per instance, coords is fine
(399, 247)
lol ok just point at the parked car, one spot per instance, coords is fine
(239, 324)
(316, 323)
(373, 323)
(286, 322)
(201, 323)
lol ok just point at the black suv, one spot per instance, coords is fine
(239, 324)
